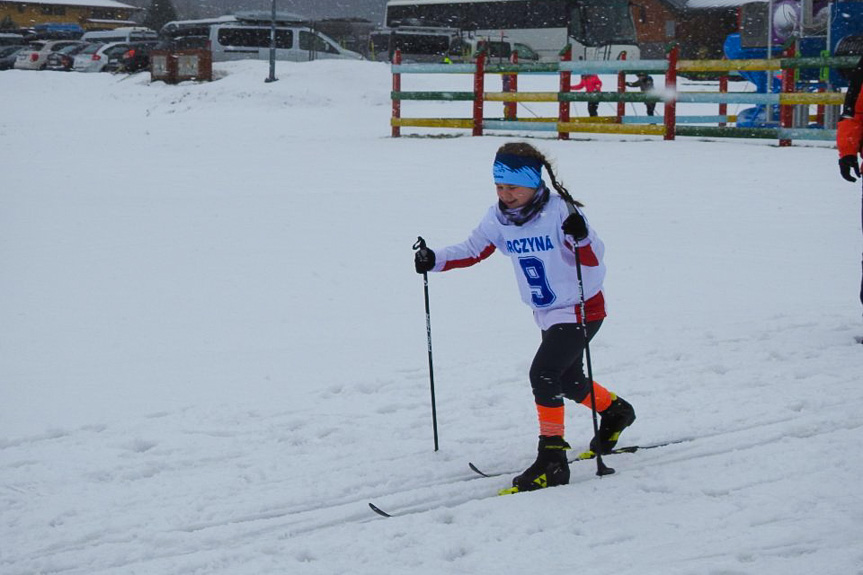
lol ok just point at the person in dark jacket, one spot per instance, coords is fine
(645, 83)
(849, 132)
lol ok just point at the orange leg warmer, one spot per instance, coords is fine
(603, 398)
(550, 420)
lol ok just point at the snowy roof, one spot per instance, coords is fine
(411, 2)
(707, 4)
(115, 22)
(721, 3)
(681, 4)
(87, 3)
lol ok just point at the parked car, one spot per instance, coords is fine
(8, 55)
(246, 36)
(36, 57)
(12, 39)
(134, 59)
(62, 60)
(498, 51)
(87, 52)
(293, 43)
(95, 57)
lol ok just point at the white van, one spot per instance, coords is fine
(246, 35)
(130, 34)
(240, 41)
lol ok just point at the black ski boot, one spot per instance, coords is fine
(616, 417)
(550, 467)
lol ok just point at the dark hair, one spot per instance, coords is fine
(525, 149)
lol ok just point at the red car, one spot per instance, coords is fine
(134, 59)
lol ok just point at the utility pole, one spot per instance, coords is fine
(272, 76)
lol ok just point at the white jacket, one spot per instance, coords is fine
(543, 260)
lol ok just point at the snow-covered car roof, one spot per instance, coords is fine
(88, 3)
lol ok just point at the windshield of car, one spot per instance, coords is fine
(73, 49)
(57, 46)
(91, 48)
(143, 46)
(525, 51)
(494, 49)
(10, 50)
(116, 49)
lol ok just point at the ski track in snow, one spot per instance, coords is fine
(229, 422)
(172, 474)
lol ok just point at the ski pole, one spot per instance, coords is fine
(420, 244)
(601, 468)
(529, 110)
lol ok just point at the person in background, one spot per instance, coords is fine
(645, 83)
(590, 83)
(540, 232)
(849, 132)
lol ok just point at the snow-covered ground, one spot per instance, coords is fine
(213, 347)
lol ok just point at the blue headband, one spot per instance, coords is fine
(517, 170)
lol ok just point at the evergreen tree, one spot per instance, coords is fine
(8, 24)
(159, 13)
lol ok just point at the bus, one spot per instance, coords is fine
(596, 29)
(424, 44)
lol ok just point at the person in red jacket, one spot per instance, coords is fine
(591, 83)
(849, 132)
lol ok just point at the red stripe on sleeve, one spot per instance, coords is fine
(585, 254)
(467, 262)
(594, 308)
(587, 257)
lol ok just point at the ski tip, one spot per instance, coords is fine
(509, 491)
(378, 510)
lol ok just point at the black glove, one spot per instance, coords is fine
(423, 260)
(575, 226)
(848, 164)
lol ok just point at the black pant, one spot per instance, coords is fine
(593, 108)
(651, 108)
(557, 370)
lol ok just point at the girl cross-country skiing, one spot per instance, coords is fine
(540, 231)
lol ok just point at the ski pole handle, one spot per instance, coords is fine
(420, 243)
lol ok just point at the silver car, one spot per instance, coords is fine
(94, 57)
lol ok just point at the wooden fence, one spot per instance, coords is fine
(669, 125)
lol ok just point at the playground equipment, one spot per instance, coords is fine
(671, 125)
(811, 29)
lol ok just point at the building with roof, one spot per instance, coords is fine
(88, 14)
(699, 27)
